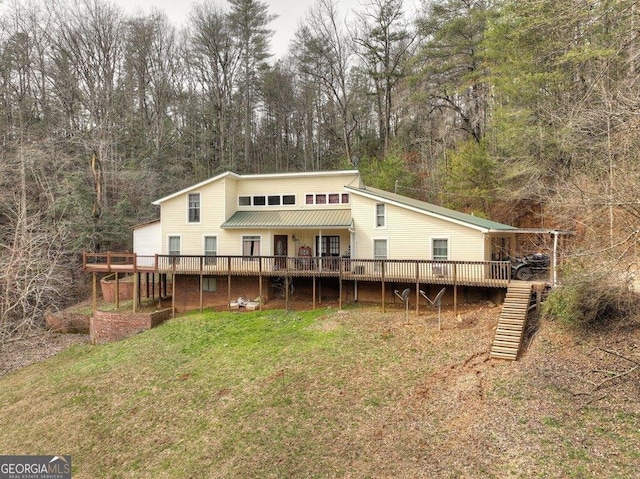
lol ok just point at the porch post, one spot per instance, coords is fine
(319, 250)
(314, 291)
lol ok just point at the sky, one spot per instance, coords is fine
(289, 12)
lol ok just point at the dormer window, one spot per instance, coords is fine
(194, 207)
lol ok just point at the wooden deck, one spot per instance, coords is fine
(463, 273)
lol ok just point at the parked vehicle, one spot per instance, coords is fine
(531, 265)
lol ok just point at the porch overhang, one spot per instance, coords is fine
(291, 219)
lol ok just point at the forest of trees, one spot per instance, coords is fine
(524, 111)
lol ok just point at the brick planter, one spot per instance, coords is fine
(110, 326)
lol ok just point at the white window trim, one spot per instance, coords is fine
(174, 235)
(266, 200)
(243, 236)
(373, 247)
(448, 240)
(200, 208)
(375, 216)
(339, 193)
(204, 242)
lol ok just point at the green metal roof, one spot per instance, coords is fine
(428, 208)
(308, 218)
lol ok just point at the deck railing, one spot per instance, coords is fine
(478, 273)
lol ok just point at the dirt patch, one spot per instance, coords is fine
(23, 352)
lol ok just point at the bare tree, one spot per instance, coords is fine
(384, 39)
(324, 52)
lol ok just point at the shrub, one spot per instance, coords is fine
(592, 305)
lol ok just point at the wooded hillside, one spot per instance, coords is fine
(523, 111)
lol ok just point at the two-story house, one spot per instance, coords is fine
(236, 234)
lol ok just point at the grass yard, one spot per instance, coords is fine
(331, 394)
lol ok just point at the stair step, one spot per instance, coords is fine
(507, 337)
(506, 350)
(496, 355)
(510, 333)
(511, 320)
(511, 344)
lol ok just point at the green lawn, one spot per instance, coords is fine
(284, 394)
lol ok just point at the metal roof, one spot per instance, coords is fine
(434, 210)
(308, 218)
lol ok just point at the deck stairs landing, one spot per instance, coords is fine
(512, 322)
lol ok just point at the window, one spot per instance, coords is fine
(380, 249)
(194, 207)
(210, 250)
(326, 198)
(380, 216)
(209, 284)
(251, 246)
(174, 249)
(268, 200)
(328, 245)
(440, 249)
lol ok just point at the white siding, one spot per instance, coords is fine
(298, 186)
(409, 233)
(174, 218)
(147, 241)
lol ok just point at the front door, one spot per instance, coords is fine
(280, 250)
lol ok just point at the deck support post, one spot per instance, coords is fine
(286, 291)
(201, 285)
(455, 290)
(94, 303)
(417, 288)
(117, 291)
(173, 296)
(314, 291)
(260, 281)
(382, 266)
(136, 289)
(229, 283)
(340, 286)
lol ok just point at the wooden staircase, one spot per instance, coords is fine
(512, 321)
